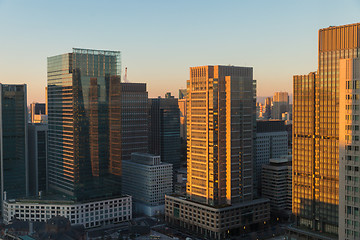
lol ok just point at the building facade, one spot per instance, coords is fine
(182, 93)
(13, 141)
(182, 108)
(38, 113)
(271, 142)
(212, 222)
(349, 147)
(267, 108)
(220, 136)
(316, 133)
(220, 98)
(276, 185)
(280, 105)
(134, 119)
(164, 129)
(84, 117)
(90, 214)
(147, 179)
(37, 144)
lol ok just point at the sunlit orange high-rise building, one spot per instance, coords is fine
(316, 135)
(221, 120)
(220, 134)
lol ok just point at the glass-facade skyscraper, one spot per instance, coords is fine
(37, 151)
(316, 133)
(13, 142)
(84, 117)
(164, 129)
(134, 119)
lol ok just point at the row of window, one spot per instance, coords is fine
(355, 84)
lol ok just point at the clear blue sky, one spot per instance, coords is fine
(160, 40)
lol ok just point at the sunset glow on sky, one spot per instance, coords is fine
(160, 40)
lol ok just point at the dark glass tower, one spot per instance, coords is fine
(14, 157)
(134, 119)
(84, 116)
(164, 129)
(37, 144)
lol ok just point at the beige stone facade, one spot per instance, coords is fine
(215, 222)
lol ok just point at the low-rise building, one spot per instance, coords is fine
(147, 180)
(215, 222)
(90, 214)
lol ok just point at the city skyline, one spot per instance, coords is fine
(174, 36)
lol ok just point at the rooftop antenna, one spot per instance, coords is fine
(125, 78)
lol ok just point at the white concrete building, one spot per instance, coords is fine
(349, 153)
(89, 214)
(277, 185)
(147, 180)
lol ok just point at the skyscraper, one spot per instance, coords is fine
(280, 105)
(134, 119)
(164, 127)
(182, 108)
(220, 133)
(37, 149)
(271, 142)
(13, 141)
(182, 93)
(267, 108)
(316, 133)
(220, 98)
(38, 113)
(349, 147)
(84, 116)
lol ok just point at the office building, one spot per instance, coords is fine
(84, 120)
(271, 142)
(37, 149)
(267, 108)
(134, 119)
(90, 214)
(180, 182)
(349, 147)
(147, 179)
(213, 152)
(38, 113)
(55, 228)
(316, 134)
(182, 94)
(182, 108)
(164, 129)
(276, 186)
(220, 134)
(14, 148)
(280, 104)
(259, 110)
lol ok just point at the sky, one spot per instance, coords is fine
(160, 40)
